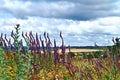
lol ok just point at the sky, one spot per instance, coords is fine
(82, 22)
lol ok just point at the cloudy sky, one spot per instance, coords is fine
(82, 22)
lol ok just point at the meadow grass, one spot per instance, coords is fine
(48, 63)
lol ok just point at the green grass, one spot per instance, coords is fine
(31, 64)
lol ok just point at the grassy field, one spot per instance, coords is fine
(18, 63)
(80, 50)
(77, 50)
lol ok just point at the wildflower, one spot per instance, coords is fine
(43, 47)
(63, 48)
(56, 77)
(56, 59)
(45, 37)
(50, 74)
(9, 67)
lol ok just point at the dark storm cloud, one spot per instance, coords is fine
(64, 9)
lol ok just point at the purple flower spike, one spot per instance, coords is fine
(27, 39)
(6, 38)
(43, 48)
(23, 35)
(40, 38)
(1, 40)
(37, 39)
(38, 45)
(5, 45)
(26, 35)
(45, 37)
(48, 45)
(68, 59)
(12, 35)
(100, 64)
(49, 41)
(90, 76)
(56, 59)
(44, 34)
(9, 43)
(113, 40)
(61, 35)
(63, 48)
(1, 35)
(55, 52)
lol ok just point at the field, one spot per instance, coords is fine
(33, 63)
(81, 50)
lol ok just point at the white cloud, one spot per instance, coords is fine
(74, 32)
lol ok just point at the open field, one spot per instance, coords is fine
(80, 50)
(76, 50)
(33, 63)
